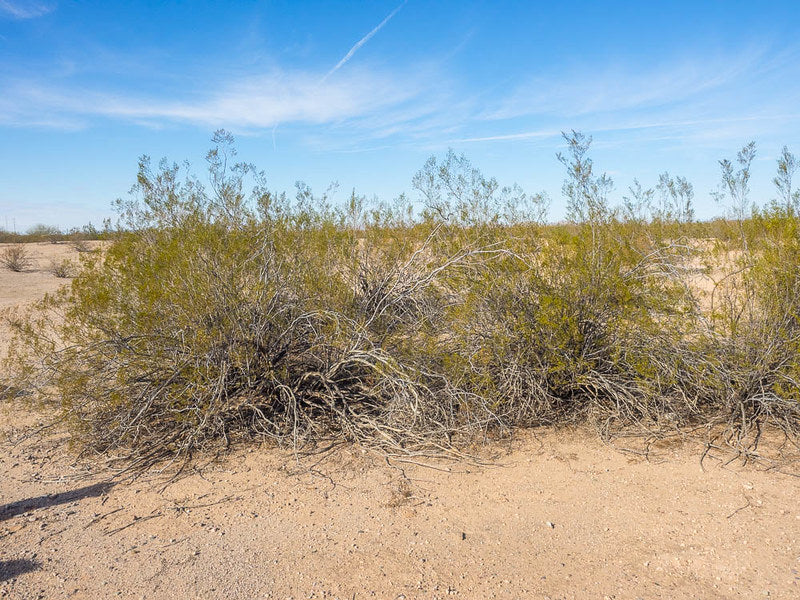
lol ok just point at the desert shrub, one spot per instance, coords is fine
(62, 269)
(224, 311)
(225, 316)
(80, 245)
(748, 364)
(16, 258)
(52, 234)
(561, 328)
(41, 233)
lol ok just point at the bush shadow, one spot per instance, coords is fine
(13, 509)
(10, 569)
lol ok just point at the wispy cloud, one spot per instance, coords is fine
(363, 41)
(713, 98)
(666, 129)
(21, 9)
(625, 87)
(523, 135)
(426, 106)
(256, 102)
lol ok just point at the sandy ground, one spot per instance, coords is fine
(557, 515)
(37, 280)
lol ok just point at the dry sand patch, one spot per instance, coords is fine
(561, 516)
(37, 280)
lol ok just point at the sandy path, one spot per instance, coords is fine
(560, 516)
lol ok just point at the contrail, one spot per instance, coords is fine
(363, 41)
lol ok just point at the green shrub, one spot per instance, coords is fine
(751, 351)
(216, 319)
(564, 327)
(224, 311)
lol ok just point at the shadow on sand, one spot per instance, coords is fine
(10, 569)
(13, 509)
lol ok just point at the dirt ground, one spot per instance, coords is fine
(37, 280)
(556, 515)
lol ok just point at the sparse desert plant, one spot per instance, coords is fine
(62, 268)
(788, 197)
(750, 370)
(80, 245)
(16, 258)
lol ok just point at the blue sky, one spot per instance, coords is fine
(363, 92)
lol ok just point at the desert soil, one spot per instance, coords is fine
(555, 515)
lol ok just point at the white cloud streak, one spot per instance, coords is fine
(255, 102)
(680, 127)
(706, 99)
(24, 10)
(624, 88)
(721, 98)
(524, 135)
(363, 41)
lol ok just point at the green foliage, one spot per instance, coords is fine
(585, 192)
(788, 197)
(223, 310)
(564, 327)
(219, 316)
